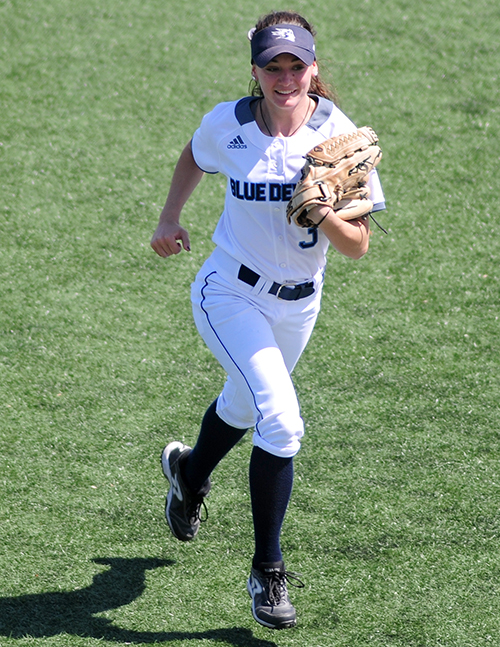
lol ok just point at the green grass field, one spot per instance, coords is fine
(394, 522)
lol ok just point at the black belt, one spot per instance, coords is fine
(282, 291)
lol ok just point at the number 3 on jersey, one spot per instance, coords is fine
(305, 244)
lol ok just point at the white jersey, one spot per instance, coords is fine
(262, 172)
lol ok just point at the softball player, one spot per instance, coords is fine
(256, 298)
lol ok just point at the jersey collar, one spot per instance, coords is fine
(245, 111)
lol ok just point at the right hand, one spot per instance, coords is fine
(165, 238)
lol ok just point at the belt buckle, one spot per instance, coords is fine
(294, 292)
(281, 287)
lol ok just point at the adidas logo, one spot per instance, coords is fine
(237, 143)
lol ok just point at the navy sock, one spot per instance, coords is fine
(215, 440)
(271, 481)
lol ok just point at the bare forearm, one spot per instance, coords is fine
(186, 177)
(349, 237)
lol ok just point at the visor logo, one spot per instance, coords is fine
(284, 34)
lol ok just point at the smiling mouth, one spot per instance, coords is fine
(285, 93)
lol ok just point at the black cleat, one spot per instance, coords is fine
(182, 507)
(267, 587)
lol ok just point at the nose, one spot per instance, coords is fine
(286, 77)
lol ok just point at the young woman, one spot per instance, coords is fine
(257, 297)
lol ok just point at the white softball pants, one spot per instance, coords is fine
(258, 339)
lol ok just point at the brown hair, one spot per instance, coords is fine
(318, 86)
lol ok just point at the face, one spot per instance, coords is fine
(286, 80)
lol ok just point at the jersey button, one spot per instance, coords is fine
(282, 265)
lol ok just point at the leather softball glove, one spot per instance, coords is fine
(336, 174)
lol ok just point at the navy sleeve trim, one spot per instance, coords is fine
(380, 206)
(195, 161)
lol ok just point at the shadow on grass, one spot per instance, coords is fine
(49, 614)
